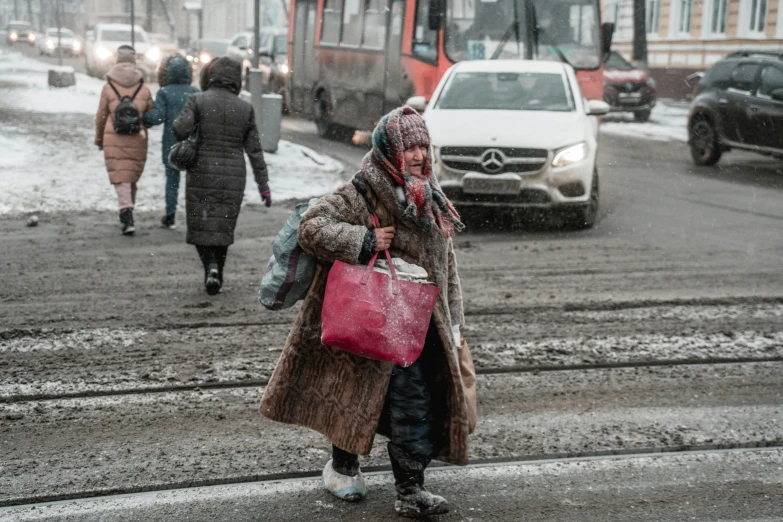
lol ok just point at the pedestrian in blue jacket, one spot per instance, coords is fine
(174, 79)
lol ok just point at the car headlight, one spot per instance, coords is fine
(284, 68)
(153, 54)
(651, 82)
(102, 53)
(76, 46)
(13, 35)
(204, 58)
(31, 37)
(49, 44)
(570, 155)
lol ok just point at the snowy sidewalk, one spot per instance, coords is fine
(668, 122)
(49, 162)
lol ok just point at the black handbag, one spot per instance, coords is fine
(183, 155)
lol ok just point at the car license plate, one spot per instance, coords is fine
(500, 184)
(633, 97)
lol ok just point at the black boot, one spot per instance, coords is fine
(413, 500)
(167, 221)
(126, 218)
(212, 282)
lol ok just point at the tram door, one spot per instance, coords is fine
(303, 76)
(394, 90)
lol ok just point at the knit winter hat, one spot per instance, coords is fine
(413, 129)
(126, 54)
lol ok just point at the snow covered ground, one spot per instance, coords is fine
(49, 163)
(668, 122)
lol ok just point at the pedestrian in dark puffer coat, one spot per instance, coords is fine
(424, 409)
(215, 185)
(174, 79)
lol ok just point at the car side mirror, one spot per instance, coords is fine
(607, 32)
(435, 15)
(597, 108)
(693, 79)
(777, 95)
(243, 48)
(418, 103)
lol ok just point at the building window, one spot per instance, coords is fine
(352, 23)
(719, 15)
(653, 16)
(425, 40)
(758, 16)
(330, 27)
(374, 24)
(685, 16)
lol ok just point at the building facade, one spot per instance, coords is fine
(684, 36)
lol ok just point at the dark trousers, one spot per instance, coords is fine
(408, 413)
(212, 257)
(172, 190)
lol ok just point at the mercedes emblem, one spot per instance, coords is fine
(492, 160)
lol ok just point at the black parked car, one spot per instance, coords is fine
(738, 103)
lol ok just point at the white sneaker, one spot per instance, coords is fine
(351, 489)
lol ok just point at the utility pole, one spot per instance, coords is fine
(256, 31)
(149, 17)
(59, 33)
(16, 9)
(639, 34)
(133, 23)
(30, 12)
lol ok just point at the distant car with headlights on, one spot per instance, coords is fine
(515, 134)
(69, 42)
(100, 51)
(19, 32)
(201, 52)
(627, 88)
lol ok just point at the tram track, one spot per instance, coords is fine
(637, 453)
(259, 383)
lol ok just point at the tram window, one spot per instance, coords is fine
(352, 23)
(374, 24)
(425, 40)
(330, 28)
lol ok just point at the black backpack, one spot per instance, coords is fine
(127, 119)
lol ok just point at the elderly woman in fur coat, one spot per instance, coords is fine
(424, 409)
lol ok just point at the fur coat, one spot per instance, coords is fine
(342, 395)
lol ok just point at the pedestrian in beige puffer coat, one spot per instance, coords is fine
(124, 154)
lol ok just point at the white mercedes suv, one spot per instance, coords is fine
(515, 133)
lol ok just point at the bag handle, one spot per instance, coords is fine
(368, 272)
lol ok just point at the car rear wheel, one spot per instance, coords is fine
(703, 140)
(323, 121)
(642, 115)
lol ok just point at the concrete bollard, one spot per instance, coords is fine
(268, 109)
(271, 119)
(60, 77)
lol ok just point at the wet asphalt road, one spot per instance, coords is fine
(119, 374)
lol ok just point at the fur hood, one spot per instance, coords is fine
(174, 70)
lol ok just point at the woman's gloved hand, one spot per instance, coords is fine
(266, 194)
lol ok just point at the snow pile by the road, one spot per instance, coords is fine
(24, 85)
(668, 122)
(65, 171)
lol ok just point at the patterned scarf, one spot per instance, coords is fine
(427, 205)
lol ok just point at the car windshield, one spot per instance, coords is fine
(615, 61)
(214, 48)
(120, 35)
(65, 33)
(19, 27)
(475, 29)
(506, 91)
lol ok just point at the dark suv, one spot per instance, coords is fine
(738, 103)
